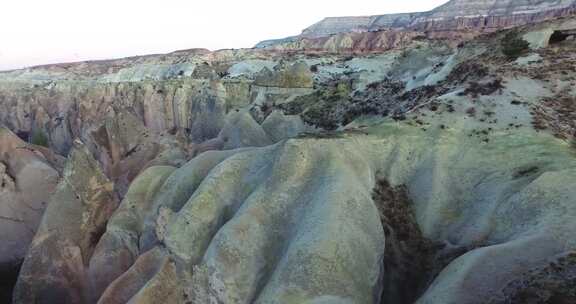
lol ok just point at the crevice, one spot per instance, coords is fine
(8, 277)
(524, 172)
(131, 151)
(23, 135)
(408, 255)
(411, 261)
(102, 139)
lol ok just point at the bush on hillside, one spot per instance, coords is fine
(39, 138)
(513, 46)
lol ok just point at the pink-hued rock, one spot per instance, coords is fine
(456, 21)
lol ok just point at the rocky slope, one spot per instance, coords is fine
(427, 173)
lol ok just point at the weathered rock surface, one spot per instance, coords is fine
(279, 126)
(28, 176)
(54, 269)
(297, 75)
(124, 147)
(66, 110)
(287, 223)
(118, 248)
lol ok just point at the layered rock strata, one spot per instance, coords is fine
(457, 21)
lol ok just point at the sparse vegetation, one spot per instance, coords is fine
(39, 138)
(557, 114)
(467, 71)
(513, 46)
(476, 89)
(328, 114)
(324, 108)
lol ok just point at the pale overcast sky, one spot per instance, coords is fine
(34, 32)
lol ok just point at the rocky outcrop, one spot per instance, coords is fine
(432, 173)
(478, 15)
(28, 176)
(355, 42)
(279, 126)
(297, 75)
(55, 266)
(64, 111)
(336, 25)
(190, 106)
(258, 224)
(124, 147)
(457, 20)
(118, 248)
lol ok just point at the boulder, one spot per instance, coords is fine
(279, 126)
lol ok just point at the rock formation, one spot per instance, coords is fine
(456, 20)
(76, 216)
(454, 15)
(393, 168)
(28, 176)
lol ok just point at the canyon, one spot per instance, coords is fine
(414, 158)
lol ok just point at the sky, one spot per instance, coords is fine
(34, 32)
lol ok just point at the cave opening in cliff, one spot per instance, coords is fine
(561, 36)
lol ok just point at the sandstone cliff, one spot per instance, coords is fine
(454, 15)
(456, 20)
